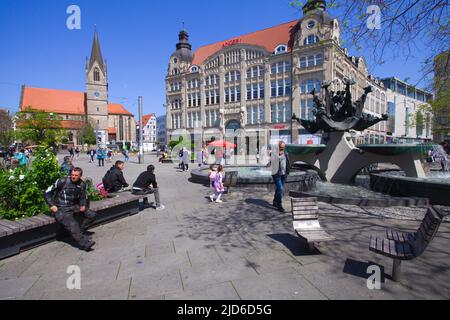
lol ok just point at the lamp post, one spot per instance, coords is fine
(141, 147)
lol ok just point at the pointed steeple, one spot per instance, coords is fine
(96, 54)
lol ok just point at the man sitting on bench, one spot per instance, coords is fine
(146, 184)
(113, 181)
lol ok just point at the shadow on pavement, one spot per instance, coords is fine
(296, 245)
(359, 269)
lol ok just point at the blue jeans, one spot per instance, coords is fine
(279, 189)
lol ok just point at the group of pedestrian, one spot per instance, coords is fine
(73, 152)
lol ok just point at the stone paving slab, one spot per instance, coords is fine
(219, 291)
(14, 288)
(240, 249)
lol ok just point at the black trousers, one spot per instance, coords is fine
(66, 217)
(101, 162)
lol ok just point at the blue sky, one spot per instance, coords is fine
(137, 37)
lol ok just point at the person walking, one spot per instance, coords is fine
(91, 154)
(279, 162)
(66, 166)
(101, 154)
(441, 155)
(114, 181)
(77, 152)
(212, 179)
(125, 154)
(21, 158)
(218, 185)
(66, 199)
(146, 184)
(71, 152)
(109, 155)
(180, 156)
(200, 157)
(186, 159)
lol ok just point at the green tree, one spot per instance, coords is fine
(39, 127)
(6, 129)
(88, 134)
(403, 25)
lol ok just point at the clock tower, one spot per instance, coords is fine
(97, 92)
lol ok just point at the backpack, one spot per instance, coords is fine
(107, 180)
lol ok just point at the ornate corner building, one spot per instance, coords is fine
(258, 80)
(112, 122)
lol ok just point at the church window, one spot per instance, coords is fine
(96, 75)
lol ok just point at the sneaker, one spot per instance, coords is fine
(212, 198)
(161, 207)
(219, 201)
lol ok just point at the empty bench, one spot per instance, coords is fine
(20, 235)
(407, 246)
(305, 214)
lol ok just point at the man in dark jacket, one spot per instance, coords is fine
(66, 198)
(113, 181)
(146, 184)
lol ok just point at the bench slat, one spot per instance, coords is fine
(301, 204)
(12, 225)
(304, 199)
(296, 211)
(305, 208)
(306, 217)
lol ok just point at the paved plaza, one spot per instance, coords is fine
(240, 249)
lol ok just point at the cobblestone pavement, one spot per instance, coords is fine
(240, 249)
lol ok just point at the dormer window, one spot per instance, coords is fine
(282, 48)
(175, 60)
(194, 69)
(96, 74)
(311, 39)
(311, 24)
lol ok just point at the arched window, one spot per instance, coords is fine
(319, 59)
(303, 63)
(281, 49)
(194, 69)
(310, 61)
(96, 74)
(311, 39)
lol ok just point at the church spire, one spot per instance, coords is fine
(96, 54)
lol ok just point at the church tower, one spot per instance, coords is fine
(97, 91)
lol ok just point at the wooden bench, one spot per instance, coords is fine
(17, 236)
(230, 180)
(407, 246)
(306, 221)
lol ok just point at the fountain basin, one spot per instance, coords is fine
(437, 190)
(261, 177)
(334, 193)
(299, 149)
(392, 149)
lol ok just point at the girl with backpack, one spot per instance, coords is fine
(218, 185)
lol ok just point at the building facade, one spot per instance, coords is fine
(255, 82)
(161, 131)
(149, 132)
(409, 111)
(111, 121)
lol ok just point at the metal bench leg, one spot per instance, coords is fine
(396, 268)
(311, 246)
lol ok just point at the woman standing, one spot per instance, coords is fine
(101, 155)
